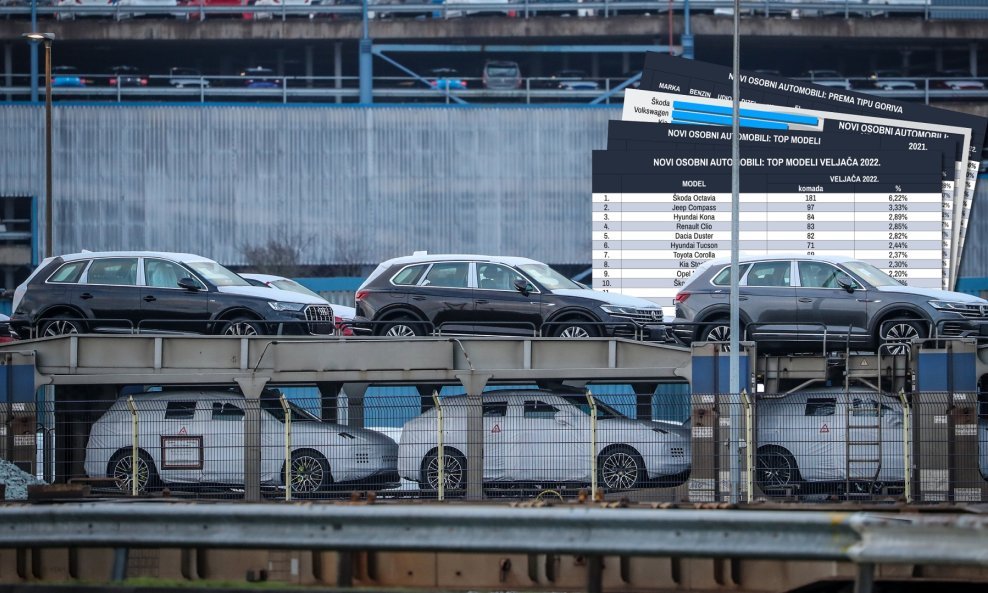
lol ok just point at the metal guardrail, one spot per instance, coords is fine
(851, 537)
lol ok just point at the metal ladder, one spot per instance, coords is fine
(863, 450)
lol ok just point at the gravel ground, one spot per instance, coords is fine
(16, 480)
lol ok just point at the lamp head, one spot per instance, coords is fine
(36, 37)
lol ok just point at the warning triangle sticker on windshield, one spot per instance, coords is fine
(824, 428)
(496, 429)
(183, 431)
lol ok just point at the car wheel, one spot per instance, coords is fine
(59, 327)
(776, 470)
(242, 326)
(719, 331)
(894, 336)
(621, 469)
(310, 472)
(454, 472)
(574, 329)
(403, 327)
(121, 468)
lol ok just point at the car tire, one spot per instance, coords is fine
(776, 470)
(310, 473)
(574, 329)
(241, 326)
(120, 468)
(62, 326)
(621, 468)
(455, 474)
(405, 326)
(719, 330)
(898, 334)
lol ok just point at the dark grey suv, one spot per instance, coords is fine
(799, 303)
(482, 294)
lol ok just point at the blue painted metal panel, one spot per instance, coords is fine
(710, 379)
(934, 372)
(17, 383)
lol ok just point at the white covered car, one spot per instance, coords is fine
(812, 439)
(541, 437)
(193, 437)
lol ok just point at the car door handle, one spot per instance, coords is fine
(418, 298)
(742, 298)
(85, 296)
(805, 300)
(149, 298)
(481, 301)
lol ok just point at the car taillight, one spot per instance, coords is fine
(360, 295)
(113, 81)
(144, 82)
(681, 297)
(464, 83)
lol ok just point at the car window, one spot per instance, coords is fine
(120, 271)
(821, 406)
(723, 277)
(548, 277)
(495, 409)
(409, 276)
(180, 410)
(227, 411)
(69, 272)
(539, 409)
(497, 277)
(772, 273)
(161, 273)
(448, 274)
(217, 274)
(815, 274)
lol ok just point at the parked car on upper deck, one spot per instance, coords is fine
(502, 75)
(446, 79)
(891, 80)
(181, 78)
(485, 294)
(67, 77)
(831, 78)
(260, 77)
(573, 80)
(542, 437)
(125, 291)
(129, 76)
(796, 303)
(343, 315)
(956, 80)
(193, 437)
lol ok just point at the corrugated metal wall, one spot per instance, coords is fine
(352, 185)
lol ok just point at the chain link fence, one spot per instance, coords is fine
(435, 442)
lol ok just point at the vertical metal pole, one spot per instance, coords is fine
(366, 60)
(593, 445)
(441, 452)
(288, 446)
(49, 211)
(34, 53)
(734, 366)
(906, 446)
(687, 37)
(134, 459)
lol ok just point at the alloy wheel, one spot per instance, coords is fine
(775, 471)
(452, 475)
(308, 474)
(123, 473)
(574, 331)
(619, 471)
(900, 332)
(240, 328)
(60, 327)
(400, 331)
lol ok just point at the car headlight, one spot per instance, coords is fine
(616, 310)
(280, 306)
(949, 306)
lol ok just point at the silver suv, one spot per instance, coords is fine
(805, 303)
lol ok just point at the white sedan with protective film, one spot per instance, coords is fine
(829, 440)
(193, 438)
(542, 438)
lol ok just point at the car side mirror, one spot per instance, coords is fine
(522, 286)
(845, 282)
(188, 284)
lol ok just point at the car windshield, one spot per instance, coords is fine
(291, 285)
(604, 411)
(871, 274)
(548, 277)
(502, 71)
(272, 405)
(217, 274)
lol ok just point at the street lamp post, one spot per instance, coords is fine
(47, 39)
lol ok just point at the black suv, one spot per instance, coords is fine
(128, 291)
(464, 294)
(810, 303)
